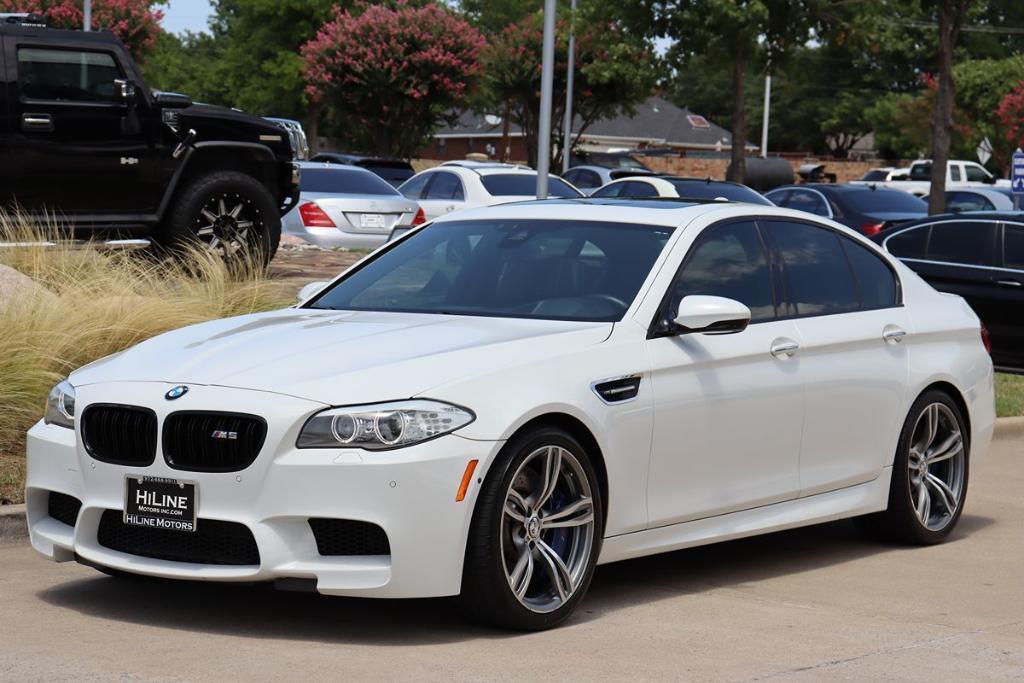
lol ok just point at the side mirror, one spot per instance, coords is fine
(125, 89)
(711, 315)
(309, 290)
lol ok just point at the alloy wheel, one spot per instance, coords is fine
(936, 465)
(547, 529)
(227, 222)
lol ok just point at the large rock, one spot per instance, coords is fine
(15, 285)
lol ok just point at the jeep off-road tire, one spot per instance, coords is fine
(229, 212)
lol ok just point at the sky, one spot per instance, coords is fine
(186, 15)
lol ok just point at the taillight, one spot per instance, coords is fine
(314, 217)
(986, 340)
(872, 228)
(420, 218)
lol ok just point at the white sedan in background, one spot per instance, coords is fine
(680, 187)
(457, 185)
(496, 403)
(347, 206)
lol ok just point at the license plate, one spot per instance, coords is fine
(160, 503)
(371, 220)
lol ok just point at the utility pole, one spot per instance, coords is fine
(88, 16)
(546, 84)
(767, 107)
(567, 127)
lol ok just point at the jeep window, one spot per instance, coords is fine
(67, 75)
(344, 181)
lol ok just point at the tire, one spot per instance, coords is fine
(255, 228)
(499, 543)
(901, 521)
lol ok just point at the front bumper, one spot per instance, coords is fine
(409, 492)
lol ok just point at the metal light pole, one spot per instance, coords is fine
(767, 106)
(567, 127)
(88, 16)
(546, 82)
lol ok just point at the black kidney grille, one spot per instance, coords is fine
(119, 434)
(212, 441)
(349, 537)
(213, 541)
(63, 508)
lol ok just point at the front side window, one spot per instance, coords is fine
(637, 188)
(700, 189)
(922, 171)
(728, 260)
(966, 242)
(524, 185)
(818, 277)
(976, 174)
(811, 202)
(967, 201)
(611, 190)
(67, 75)
(1013, 246)
(445, 186)
(563, 270)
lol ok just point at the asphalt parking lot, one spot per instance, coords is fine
(810, 604)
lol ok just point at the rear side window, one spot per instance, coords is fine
(954, 173)
(909, 243)
(967, 242)
(67, 75)
(967, 201)
(413, 188)
(728, 260)
(583, 178)
(612, 190)
(343, 181)
(818, 277)
(445, 186)
(635, 188)
(1013, 246)
(524, 185)
(875, 279)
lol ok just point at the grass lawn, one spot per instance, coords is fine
(1009, 395)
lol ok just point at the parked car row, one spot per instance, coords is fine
(917, 178)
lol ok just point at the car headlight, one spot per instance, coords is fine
(60, 406)
(382, 426)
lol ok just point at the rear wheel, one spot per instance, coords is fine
(536, 534)
(929, 477)
(230, 213)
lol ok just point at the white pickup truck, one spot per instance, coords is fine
(959, 175)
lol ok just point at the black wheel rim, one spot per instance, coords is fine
(229, 224)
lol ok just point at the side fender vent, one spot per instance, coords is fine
(618, 390)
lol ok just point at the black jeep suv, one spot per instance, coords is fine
(83, 140)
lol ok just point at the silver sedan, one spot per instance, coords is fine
(347, 206)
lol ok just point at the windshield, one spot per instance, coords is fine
(556, 270)
(701, 189)
(883, 201)
(524, 185)
(343, 181)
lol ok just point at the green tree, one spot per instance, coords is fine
(614, 72)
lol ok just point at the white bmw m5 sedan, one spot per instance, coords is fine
(502, 399)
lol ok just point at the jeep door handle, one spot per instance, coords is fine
(783, 348)
(37, 123)
(893, 334)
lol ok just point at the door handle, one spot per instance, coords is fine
(1008, 283)
(450, 208)
(893, 334)
(784, 348)
(39, 123)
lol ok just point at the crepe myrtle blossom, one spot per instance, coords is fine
(135, 22)
(1011, 115)
(392, 70)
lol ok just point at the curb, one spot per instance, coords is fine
(14, 527)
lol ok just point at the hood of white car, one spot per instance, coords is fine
(341, 357)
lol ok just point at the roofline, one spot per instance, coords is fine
(587, 137)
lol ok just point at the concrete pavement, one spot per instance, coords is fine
(811, 604)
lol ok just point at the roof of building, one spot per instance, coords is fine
(656, 122)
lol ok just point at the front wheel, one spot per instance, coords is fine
(230, 213)
(536, 534)
(929, 477)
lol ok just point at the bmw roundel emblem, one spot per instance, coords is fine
(176, 392)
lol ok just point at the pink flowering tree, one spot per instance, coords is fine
(390, 75)
(1011, 115)
(135, 22)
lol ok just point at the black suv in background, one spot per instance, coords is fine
(980, 256)
(85, 141)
